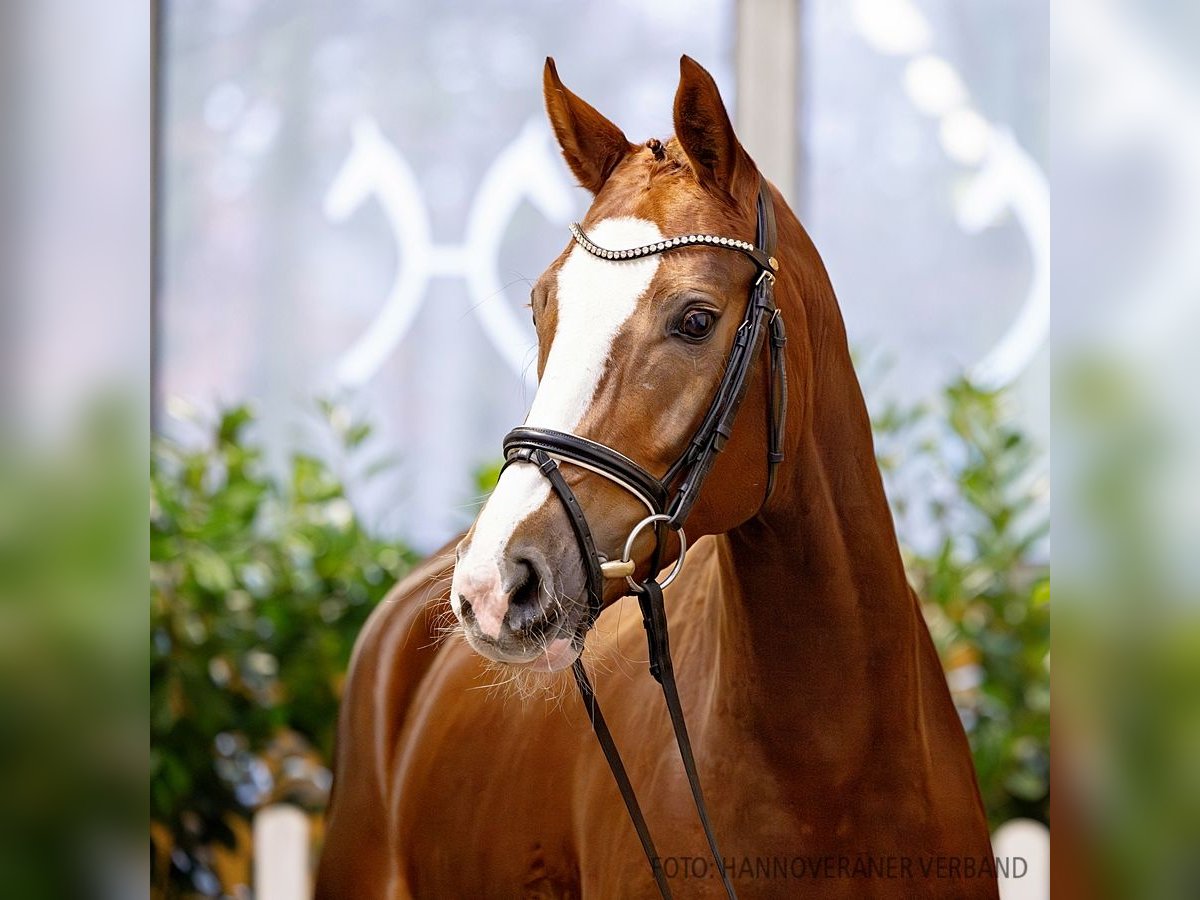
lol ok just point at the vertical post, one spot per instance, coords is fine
(1022, 847)
(14, 287)
(157, 174)
(768, 94)
(281, 864)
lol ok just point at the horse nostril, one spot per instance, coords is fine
(526, 613)
(464, 606)
(527, 588)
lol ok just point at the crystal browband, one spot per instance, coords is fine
(766, 263)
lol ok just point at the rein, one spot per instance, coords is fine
(667, 500)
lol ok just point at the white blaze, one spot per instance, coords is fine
(595, 298)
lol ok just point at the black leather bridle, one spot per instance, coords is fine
(668, 500)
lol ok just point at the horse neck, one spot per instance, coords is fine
(818, 625)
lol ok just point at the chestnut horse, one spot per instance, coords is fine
(833, 759)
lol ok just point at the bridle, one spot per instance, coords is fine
(667, 500)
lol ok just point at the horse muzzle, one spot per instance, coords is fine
(517, 608)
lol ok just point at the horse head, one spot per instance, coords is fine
(630, 354)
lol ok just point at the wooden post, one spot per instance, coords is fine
(281, 854)
(1024, 846)
(768, 95)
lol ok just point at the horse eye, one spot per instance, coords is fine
(697, 324)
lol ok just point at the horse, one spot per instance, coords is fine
(833, 759)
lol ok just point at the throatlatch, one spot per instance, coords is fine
(667, 500)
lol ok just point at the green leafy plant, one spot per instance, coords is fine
(972, 514)
(259, 586)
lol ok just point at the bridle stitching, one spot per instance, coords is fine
(618, 481)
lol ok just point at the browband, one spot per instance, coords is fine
(760, 258)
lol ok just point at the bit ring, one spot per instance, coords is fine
(637, 529)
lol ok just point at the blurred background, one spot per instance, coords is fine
(357, 199)
(348, 205)
(354, 203)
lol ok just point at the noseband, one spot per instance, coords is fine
(667, 500)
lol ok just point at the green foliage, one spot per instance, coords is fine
(486, 476)
(971, 510)
(259, 586)
(73, 786)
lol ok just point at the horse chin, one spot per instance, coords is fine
(560, 653)
(556, 654)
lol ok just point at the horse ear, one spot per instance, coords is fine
(705, 133)
(591, 145)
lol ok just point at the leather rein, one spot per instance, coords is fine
(668, 500)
